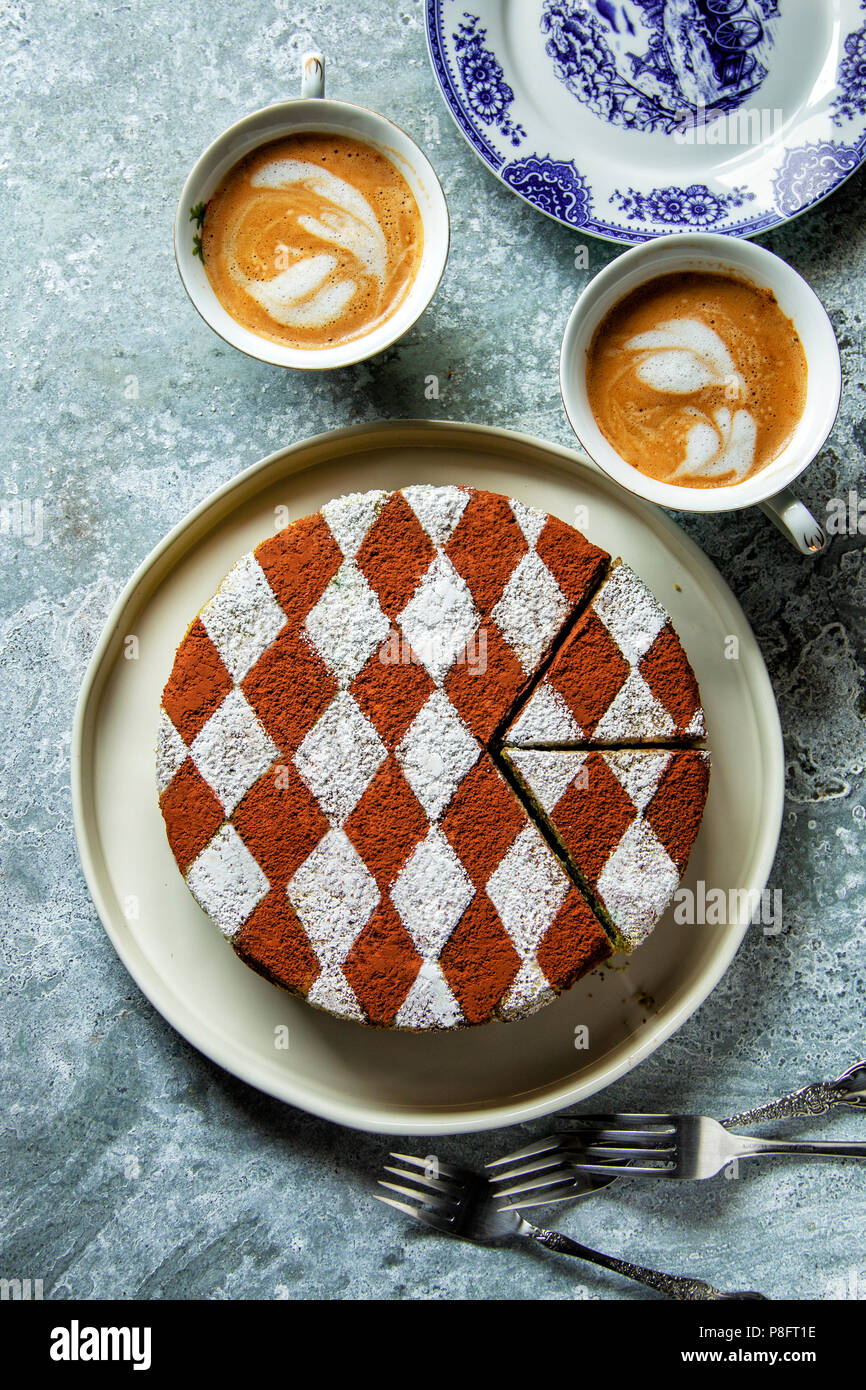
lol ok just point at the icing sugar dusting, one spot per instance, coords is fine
(431, 893)
(171, 752)
(233, 750)
(634, 713)
(430, 1002)
(531, 610)
(639, 773)
(527, 889)
(226, 880)
(632, 615)
(436, 753)
(548, 775)
(545, 719)
(243, 617)
(437, 508)
(637, 882)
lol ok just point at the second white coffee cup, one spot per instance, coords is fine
(769, 488)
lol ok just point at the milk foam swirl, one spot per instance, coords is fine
(305, 293)
(683, 356)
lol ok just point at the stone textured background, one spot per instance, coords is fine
(134, 1167)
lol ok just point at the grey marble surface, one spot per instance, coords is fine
(133, 1167)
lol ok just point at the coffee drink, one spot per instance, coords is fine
(697, 379)
(312, 240)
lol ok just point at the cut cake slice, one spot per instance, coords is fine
(625, 820)
(620, 678)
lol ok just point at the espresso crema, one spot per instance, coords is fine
(697, 379)
(312, 240)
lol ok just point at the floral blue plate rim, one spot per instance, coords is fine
(636, 92)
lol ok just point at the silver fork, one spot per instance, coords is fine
(657, 1146)
(555, 1173)
(458, 1202)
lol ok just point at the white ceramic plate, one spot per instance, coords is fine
(634, 118)
(390, 1081)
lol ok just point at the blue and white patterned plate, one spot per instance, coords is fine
(634, 118)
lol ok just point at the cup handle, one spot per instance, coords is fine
(794, 520)
(313, 75)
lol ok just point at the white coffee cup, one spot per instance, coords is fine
(705, 251)
(311, 112)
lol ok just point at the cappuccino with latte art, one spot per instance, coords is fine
(697, 379)
(312, 240)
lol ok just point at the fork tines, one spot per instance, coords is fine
(599, 1145)
(434, 1199)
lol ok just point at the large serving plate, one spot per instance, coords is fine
(635, 118)
(391, 1081)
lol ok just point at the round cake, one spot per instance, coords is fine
(403, 758)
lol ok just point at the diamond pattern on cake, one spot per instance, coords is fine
(482, 820)
(387, 823)
(298, 562)
(479, 960)
(436, 754)
(431, 893)
(529, 519)
(339, 758)
(527, 889)
(273, 942)
(632, 615)
(627, 820)
(634, 706)
(530, 992)
(243, 617)
(574, 563)
(288, 707)
(440, 618)
(485, 680)
(682, 698)
(198, 683)
(324, 772)
(171, 752)
(226, 880)
(332, 992)
(545, 718)
(193, 811)
(395, 554)
(574, 944)
(430, 1002)
(351, 517)
(392, 688)
(438, 509)
(531, 610)
(486, 568)
(280, 822)
(637, 882)
(334, 895)
(347, 623)
(620, 677)
(382, 965)
(232, 750)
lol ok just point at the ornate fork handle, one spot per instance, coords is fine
(817, 1099)
(672, 1285)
